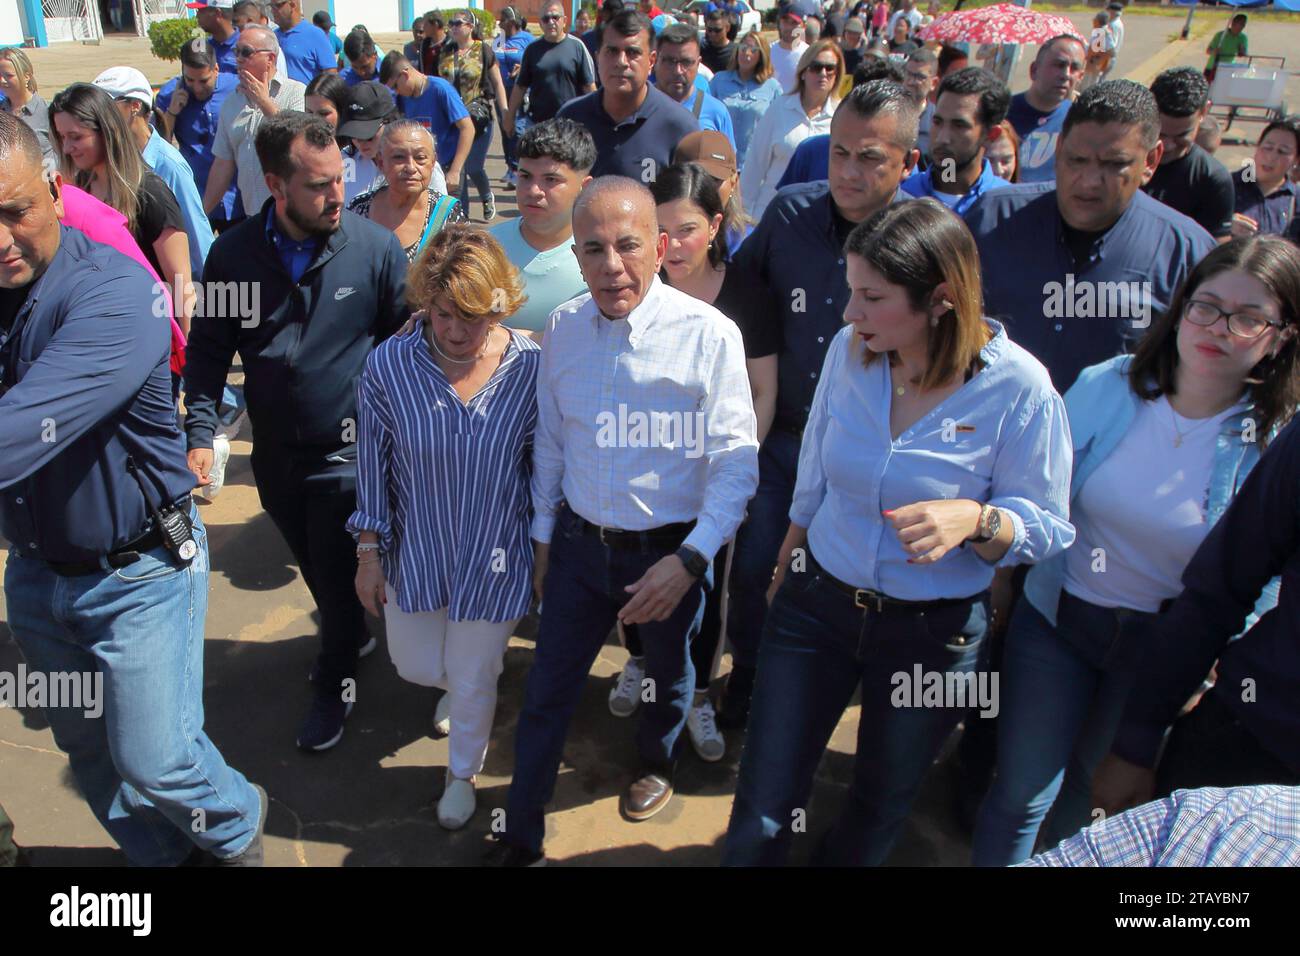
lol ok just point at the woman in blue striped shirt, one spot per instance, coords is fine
(445, 433)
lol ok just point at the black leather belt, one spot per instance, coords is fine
(129, 553)
(870, 600)
(668, 536)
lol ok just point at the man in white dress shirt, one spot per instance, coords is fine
(645, 455)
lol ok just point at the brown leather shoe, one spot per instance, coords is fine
(647, 796)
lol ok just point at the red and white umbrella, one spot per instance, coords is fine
(1000, 23)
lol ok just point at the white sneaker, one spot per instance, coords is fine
(442, 716)
(625, 698)
(217, 474)
(457, 804)
(705, 736)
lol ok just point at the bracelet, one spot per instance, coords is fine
(371, 561)
(368, 547)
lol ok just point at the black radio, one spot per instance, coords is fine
(172, 523)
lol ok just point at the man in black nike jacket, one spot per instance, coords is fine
(303, 290)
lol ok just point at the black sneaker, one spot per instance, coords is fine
(505, 854)
(323, 727)
(734, 714)
(252, 855)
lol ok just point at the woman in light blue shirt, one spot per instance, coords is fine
(1163, 440)
(936, 451)
(747, 88)
(446, 415)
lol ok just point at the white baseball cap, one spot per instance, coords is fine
(125, 82)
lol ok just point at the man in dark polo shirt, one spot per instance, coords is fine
(797, 250)
(635, 126)
(1079, 270)
(1189, 179)
(106, 583)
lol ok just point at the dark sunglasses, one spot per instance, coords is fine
(458, 23)
(822, 67)
(246, 51)
(552, 18)
(715, 29)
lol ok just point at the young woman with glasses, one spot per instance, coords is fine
(1163, 440)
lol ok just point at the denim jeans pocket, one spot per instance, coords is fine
(151, 566)
(959, 629)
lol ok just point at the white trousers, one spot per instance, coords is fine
(465, 658)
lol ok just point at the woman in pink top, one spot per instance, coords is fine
(102, 223)
(879, 17)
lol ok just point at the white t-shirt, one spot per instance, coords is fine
(785, 63)
(1142, 514)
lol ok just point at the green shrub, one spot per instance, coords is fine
(166, 37)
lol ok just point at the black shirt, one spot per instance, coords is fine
(747, 301)
(11, 301)
(156, 210)
(715, 58)
(553, 74)
(1080, 243)
(1199, 187)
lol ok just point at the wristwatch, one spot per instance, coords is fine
(990, 523)
(695, 562)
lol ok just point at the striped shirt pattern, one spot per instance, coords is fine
(674, 360)
(1241, 826)
(445, 485)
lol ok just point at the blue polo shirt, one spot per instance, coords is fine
(796, 250)
(166, 160)
(1074, 314)
(351, 77)
(811, 161)
(437, 109)
(651, 133)
(295, 255)
(713, 115)
(1273, 212)
(1038, 132)
(225, 53)
(306, 51)
(195, 130)
(921, 184)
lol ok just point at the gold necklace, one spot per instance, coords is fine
(1179, 434)
(433, 340)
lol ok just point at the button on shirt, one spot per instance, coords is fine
(237, 129)
(778, 133)
(195, 130)
(1001, 438)
(306, 51)
(746, 102)
(921, 184)
(424, 457)
(643, 142)
(1071, 316)
(1273, 212)
(645, 421)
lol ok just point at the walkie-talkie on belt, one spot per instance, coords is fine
(175, 525)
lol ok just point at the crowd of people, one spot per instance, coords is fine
(828, 351)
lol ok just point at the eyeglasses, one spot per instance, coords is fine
(822, 67)
(678, 63)
(1244, 325)
(552, 18)
(244, 52)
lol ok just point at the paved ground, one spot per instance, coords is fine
(370, 801)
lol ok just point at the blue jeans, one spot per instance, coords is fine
(581, 597)
(757, 542)
(150, 774)
(1064, 693)
(475, 170)
(817, 648)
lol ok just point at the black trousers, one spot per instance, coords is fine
(1210, 747)
(310, 499)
